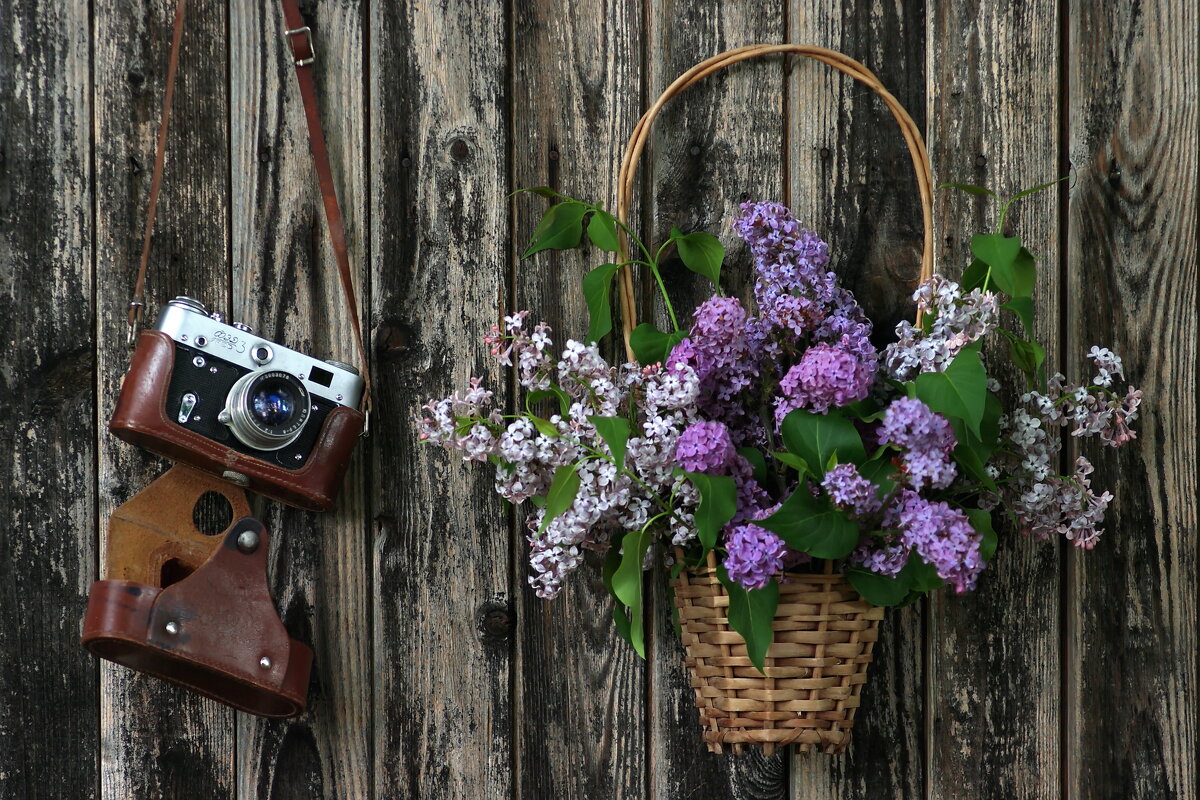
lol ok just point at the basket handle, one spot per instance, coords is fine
(840, 62)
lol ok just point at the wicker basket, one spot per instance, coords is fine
(824, 630)
(814, 670)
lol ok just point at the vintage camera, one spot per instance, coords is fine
(252, 411)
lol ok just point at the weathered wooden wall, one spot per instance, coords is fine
(438, 673)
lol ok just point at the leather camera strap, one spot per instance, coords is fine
(299, 39)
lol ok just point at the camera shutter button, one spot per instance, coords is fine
(243, 327)
(217, 316)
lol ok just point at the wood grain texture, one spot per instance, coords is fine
(285, 284)
(158, 740)
(851, 180)
(49, 722)
(1132, 263)
(439, 268)
(719, 144)
(994, 674)
(580, 695)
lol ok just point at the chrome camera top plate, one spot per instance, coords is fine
(185, 321)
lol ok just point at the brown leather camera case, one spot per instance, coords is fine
(216, 630)
(141, 418)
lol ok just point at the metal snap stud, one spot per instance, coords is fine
(247, 541)
(264, 662)
(171, 628)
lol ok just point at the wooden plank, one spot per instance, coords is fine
(719, 144)
(994, 673)
(439, 270)
(49, 724)
(581, 693)
(157, 740)
(1132, 266)
(286, 285)
(851, 180)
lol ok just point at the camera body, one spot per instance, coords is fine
(256, 413)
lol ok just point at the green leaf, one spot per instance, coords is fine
(972, 454)
(794, 461)
(1024, 274)
(880, 590)
(813, 525)
(560, 229)
(815, 437)
(718, 504)
(960, 391)
(751, 614)
(561, 495)
(543, 191)
(615, 433)
(612, 560)
(544, 426)
(757, 461)
(602, 230)
(1012, 266)
(974, 275)
(597, 291)
(864, 410)
(969, 188)
(1027, 355)
(879, 470)
(1035, 189)
(1023, 308)
(700, 252)
(652, 346)
(921, 577)
(538, 395)
(981, 521)
(627, 583)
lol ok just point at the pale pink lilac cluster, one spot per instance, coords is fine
(1047, 503)
(958, 319)
(608, 500)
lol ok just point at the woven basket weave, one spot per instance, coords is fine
(824, 630)
(814, 670)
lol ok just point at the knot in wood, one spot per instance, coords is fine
(495, 620)
(392, 339)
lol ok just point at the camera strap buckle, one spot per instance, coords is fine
(299, 50)
(131, 322)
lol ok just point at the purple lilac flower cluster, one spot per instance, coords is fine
(939, 533)
(850, 491)
(754, 555)
(809, 347)
(926, 439)
(608, 499)
(1047, 503)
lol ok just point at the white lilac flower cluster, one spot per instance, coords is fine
(608, 499)
(958, 320)
(1046, 503)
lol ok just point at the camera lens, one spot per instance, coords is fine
(273, 403)
(267, 410)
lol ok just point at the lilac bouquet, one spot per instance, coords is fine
(776, 433)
